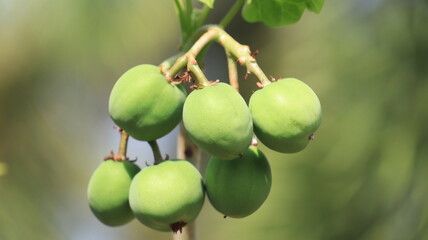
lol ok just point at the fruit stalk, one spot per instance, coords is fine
(233, 71)
(232, 12)
(156, 152)
(192, 65)
(123, 145)
(201, 20)
(181, 62)
(241, 52)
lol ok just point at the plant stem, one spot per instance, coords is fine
(167, 63)
(194, 50)
(192, 65)
(190, 24)
(224, 22)
(186, 149)
(123, 145)
(181, 17)
(156, 152)
(231, 14)
(233, 71)
(195, 36)
(203, 17)
(189, 10)
(241, 52)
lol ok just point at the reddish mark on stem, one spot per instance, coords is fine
(246, 75)
(241, 61)
(260, 85)
(255, 54)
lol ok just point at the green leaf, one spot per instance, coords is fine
(296, 1)
(315, 5)
(274, 13)
(277, 13)
(209, 3)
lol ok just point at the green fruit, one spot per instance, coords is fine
(108, 192)
(167, 196)
(286, 114)
(218, 120)
(238, 187)
(145, 104)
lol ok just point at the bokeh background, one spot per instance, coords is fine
(365, 176)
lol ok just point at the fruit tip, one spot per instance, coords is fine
(177, 226)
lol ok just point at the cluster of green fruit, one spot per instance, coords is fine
(166, 196)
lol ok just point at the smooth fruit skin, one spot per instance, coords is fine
(108, 192)
(237, 188)
(168, 193)
(286, 114)
(145, 104)
(218, 120)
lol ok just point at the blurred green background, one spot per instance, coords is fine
(365, 176)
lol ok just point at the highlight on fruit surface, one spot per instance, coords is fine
(238, 187)
(167, 196)
(286, 114)
(108, 192)
(145, 104)
(217, 119)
